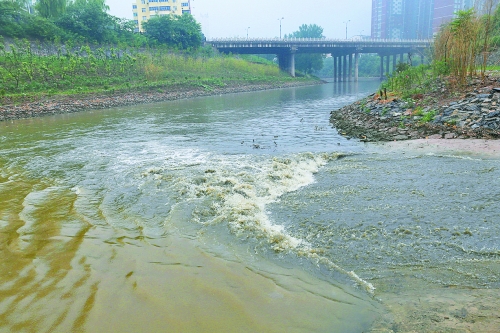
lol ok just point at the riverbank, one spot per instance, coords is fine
(58, 104)
(481, 148)
(445, 113)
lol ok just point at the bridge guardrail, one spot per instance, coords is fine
(287, 40)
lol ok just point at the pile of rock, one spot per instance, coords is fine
(475, 111)
(477, 115)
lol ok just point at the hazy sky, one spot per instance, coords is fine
(223, 18)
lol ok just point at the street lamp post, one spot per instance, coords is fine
(247, 32)
(280, 24)
(346, 28)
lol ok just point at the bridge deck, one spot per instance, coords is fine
(341, 49)
(312, 45)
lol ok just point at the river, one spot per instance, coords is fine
(239, 213)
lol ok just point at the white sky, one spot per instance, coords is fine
(223, 18)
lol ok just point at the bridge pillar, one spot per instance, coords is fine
(334, 67)
(292, 64)
(350, 68)
(286, 62)
(356, 67)
(344, 70)
(339, 69)
(394, 63)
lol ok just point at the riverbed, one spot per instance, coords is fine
(241, 213)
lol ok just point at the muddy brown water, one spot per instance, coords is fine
(240, 213)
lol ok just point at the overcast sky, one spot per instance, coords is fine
(223, 18)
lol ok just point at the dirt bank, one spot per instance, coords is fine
(471, 147)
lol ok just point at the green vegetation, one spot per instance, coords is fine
(463, 46)
(308, 63)
(87, 21)
(182, 31)
(76, 47)
(428, 116)
(412, 81)
(25, 70)
(51, 8)
(460, 49)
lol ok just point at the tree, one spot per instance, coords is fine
(181, 31)
(16, 22)
(308, 63)
(308, 31)
(21, 3)
(89, 19)
(51, 8)
(10, 15)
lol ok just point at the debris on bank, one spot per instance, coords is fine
(445, 113)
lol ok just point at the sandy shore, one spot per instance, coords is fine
(465, 147)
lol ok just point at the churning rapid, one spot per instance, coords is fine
(243, 212)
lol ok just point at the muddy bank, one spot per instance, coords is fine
(69, 104)
(473, 112)
(480, 148)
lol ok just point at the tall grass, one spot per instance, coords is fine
(463, 45)
(412, 81)
(460, 48)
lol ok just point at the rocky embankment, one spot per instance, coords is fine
(69, 104)
(444, 113)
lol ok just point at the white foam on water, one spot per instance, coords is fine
(240, 193)
(235, 191)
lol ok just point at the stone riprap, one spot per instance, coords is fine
(474, 115)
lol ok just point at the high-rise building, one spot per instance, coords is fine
(416, 19)
(444, 11)
(401, 19)
(143, 10)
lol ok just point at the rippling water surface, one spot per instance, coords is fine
(244, 212)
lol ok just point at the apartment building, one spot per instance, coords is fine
(416, 19)
(143, 10)
(444, 11)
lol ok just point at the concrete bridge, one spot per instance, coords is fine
(345, 52)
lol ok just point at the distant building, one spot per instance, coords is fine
(143, 10)
(415, 19)
(444, 11)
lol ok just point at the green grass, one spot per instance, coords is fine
(428, 117)
(25, 74)
(413, 81)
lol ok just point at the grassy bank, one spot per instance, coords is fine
(29, 72)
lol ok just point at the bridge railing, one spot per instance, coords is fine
(287, 40)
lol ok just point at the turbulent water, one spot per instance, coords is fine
(243, 212)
